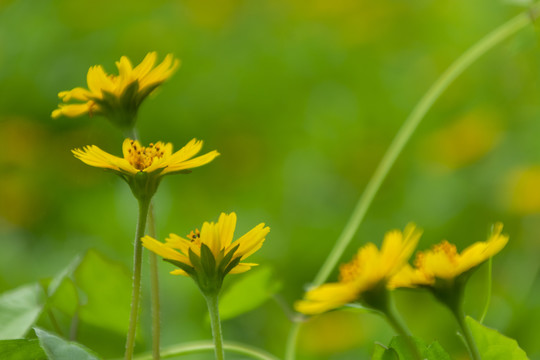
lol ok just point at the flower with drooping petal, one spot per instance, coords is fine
(443, 264)
(117, 97)
(368, 274)
(143, 166)
(210, 254)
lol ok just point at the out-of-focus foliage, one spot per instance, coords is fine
(301, 98)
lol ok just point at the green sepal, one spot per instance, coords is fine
(226, 259)
(121, 110)
(128, 97)
(188, 269)
(143, 185)
(141, 95)
(231, 265)
(195, 261)
(208, 261)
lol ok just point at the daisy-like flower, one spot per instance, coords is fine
(143, 167)
(367, 277)
(444, 272)
(443, 265)
(210, 254)
(117, 97)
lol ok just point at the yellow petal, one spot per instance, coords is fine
(77, 94)
(72, 110)
(251, 241)
(409, 277)
(179, 272)
(225, 227)
(242, 267)
(326, 297)
(145, 66)
(98, 80)
(210, 237)
(177, 242)
(94, 156)
(163, 250)
(189, 164)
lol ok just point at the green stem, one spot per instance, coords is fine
(204, 346)
(290, 350)
(137, 264)
(397, 323)
(154, 278)
(488, 290)
(467, 335)
(213, 310)
(154, 284)
(404, 134)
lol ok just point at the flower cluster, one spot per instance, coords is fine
(371, 272)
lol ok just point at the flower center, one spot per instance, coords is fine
(350, 271)
(141, 157)
(449, 250)
(195, 237)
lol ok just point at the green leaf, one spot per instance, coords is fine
(248, 293)
(19, 310)
(57, 348)
(65, 273)
(383, 353)
(492, 345)
(107, 286)
(21, 349)
(433, 351)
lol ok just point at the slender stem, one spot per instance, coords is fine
(407, 130)
(217, 334)
(137, 265)
(404, 134)
(290, 350)
(204, 346)
(397, 323)
(74, 327)
(467, 335)
(154, 285)
(489, 281)
(54, 323)
(154, 278)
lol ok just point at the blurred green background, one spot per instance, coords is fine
(301, 98)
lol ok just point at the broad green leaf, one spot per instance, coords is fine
(492, 345)
(383, 353)
(19, 310)
(107, 287)
(21, 349)
(433, 351)
(57, 348)
(59, 278)
(248, 292)
(66, 297)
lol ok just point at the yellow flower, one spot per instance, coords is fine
(156, 157)
(444, 263)
(207, 256)
(369, 272)
(142, 167)
(117, 96)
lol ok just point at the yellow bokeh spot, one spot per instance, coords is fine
(522, 193)
(465, 140)
(332, 332)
